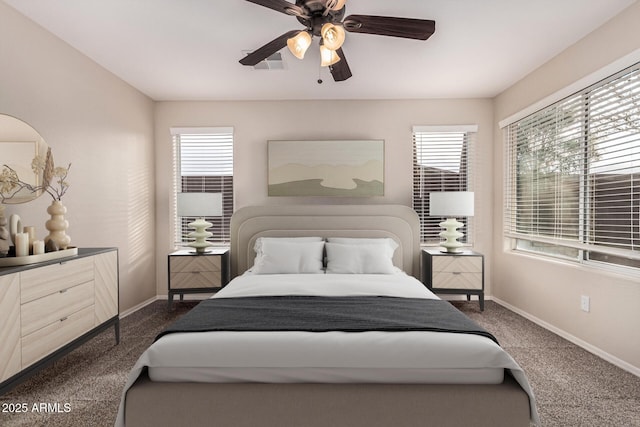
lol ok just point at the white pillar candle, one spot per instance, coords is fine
(31, 231)
(38, 247)
(22, 244)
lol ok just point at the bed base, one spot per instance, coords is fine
(320, 405)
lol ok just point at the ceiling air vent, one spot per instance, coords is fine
(273, 62)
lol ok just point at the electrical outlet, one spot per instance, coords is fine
(585, 303)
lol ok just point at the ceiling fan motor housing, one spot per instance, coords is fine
(317, 14)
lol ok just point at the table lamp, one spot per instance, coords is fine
(451, 204)
(199, 205)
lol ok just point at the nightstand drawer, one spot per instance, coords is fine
(196, 263)
(457, 280)
(457, 264)
(196, 279)
(454, 273)
(197, 273)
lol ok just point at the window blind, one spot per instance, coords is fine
(442, 161)
(573, 174)
(203, 162)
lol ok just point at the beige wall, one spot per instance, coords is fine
(256, 122)
(550, 290)
(104, 128)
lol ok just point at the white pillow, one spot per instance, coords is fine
(365, 241)
(360, 259)
(285, 257)
(257, 247)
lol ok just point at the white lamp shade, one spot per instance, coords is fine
(199, 204)
(451, 204)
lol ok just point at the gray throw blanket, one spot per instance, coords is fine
(324, 314)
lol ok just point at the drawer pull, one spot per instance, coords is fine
(457, 272)
(63, 319)
(63, 291)
(195, 272)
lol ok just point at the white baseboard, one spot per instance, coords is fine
(143, 304)
(188, 297)
(575, 340)
(137, 307)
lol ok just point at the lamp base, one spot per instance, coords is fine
(200, 244)
(198, 250)
(451, 234)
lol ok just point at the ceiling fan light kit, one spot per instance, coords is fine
(325, 19)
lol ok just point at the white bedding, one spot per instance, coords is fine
(398, 357)
(394, 285)
(333, 357)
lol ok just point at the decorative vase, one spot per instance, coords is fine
(57, 226)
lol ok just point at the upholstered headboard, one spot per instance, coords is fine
(400, 223)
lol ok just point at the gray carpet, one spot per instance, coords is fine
(573, 387)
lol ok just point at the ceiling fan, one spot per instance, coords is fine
(325, 19)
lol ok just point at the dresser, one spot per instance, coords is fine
(460, 273)
(191, 272)
(50, 308)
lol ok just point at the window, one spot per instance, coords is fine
(573, 175)
(442, 161)
(203, 162)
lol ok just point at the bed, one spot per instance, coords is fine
(305, 260)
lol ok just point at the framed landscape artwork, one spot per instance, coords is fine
(326, 168)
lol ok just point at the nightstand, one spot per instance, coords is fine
(460, 273)
(191, 273)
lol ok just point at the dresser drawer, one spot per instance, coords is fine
(457, 264)
(457, 280)
(196, 279)
(187, 264)
(41, 312)
(50, 279)
(42, 342)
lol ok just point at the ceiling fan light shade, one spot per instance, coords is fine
(332, 36)
(327, 56)
(299, 44)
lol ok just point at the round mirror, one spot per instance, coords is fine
(19, 145)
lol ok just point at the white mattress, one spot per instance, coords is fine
(334, 357)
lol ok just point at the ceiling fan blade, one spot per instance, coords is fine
(408, 28)
(281, 6)
(268, 49)
(340, 70)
